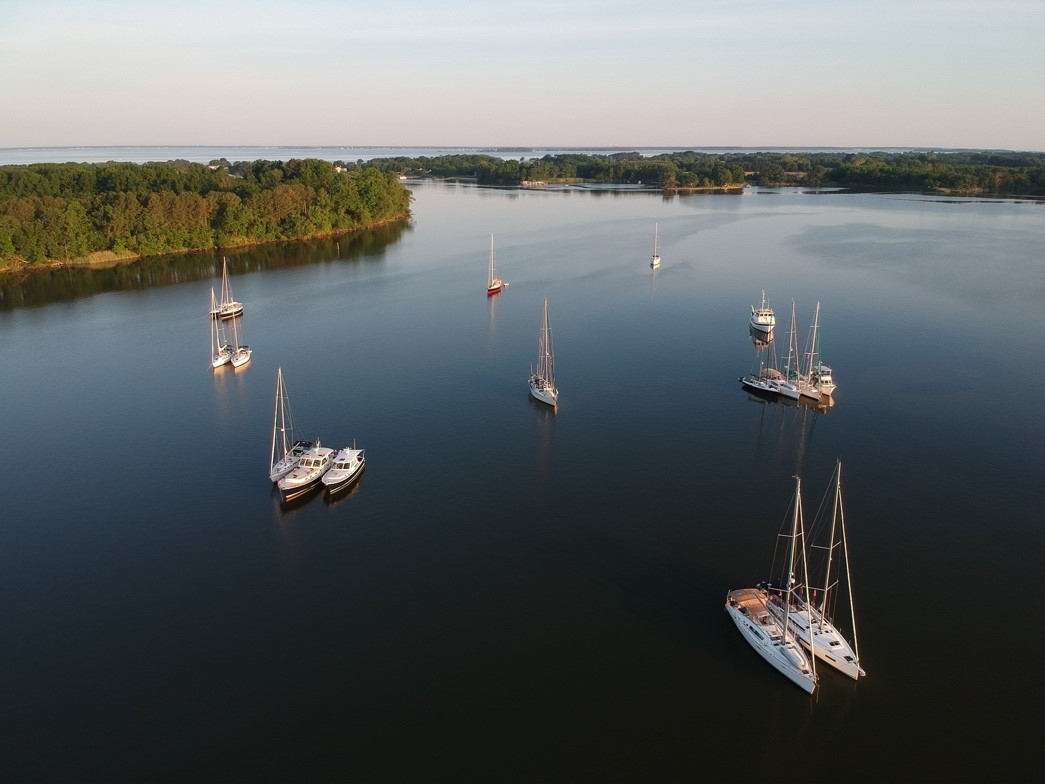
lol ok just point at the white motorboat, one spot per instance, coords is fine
(347, 467)
(307, 474)
(542, 380)
(286, 451)
(763, 318)
(762, 626)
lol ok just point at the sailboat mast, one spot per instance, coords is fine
(805, 588)
(831, 542)
(845, 551)
(492, 266)
(789, 577)
(275, 417)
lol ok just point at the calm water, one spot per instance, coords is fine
(511, 594)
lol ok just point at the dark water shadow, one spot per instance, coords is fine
(36, 288)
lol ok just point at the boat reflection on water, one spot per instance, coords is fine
(759, 338)
(335, 499)
(821, 406)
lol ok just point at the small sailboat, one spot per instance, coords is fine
(227, 307)
(759, 612)
(348, 466)
(240, 353)
(812, 623)
(494, 284)
(286, 451)
(763, 318)
(220, 351)
(542, 380)
(308, 473)
(655, 258)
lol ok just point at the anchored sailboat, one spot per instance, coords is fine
(493, 283)
(813, 623)
(542, 381)
(286, 452)
(227, 307)
(220, 352)
(759, 612)
(655, 258)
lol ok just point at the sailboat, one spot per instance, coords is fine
(755, 613)
(818, 375)
(792, 383)
(542, 381)
(240, 353)
(227, 307)
(655, 258)
(493, 283)
(220, 353)
(763, 318)
(813, 624)
(286, 452)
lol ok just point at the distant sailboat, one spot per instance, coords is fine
(227, 307)
(542, 381)
(493, 283)
(655, 258)
(220, 352)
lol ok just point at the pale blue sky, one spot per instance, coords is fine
(871, 73)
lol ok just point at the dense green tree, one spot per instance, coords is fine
(68, 211)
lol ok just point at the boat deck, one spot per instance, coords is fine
(752, 603)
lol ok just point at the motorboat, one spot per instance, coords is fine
(348, 466)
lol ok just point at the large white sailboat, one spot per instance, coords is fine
(655, 258)
(494, 284)
(762, 625)
(227, 307)
(542, 380)
(220, 351)
(813, 622)
(286, 451)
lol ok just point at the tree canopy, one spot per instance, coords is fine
(53, 212)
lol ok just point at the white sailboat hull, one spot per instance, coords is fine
(750, 612)
(544, 392)
(223, 357)
(828, 645)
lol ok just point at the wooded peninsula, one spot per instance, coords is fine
(98, 213)
(95, 213)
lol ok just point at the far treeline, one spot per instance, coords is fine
(95, 212)
(972, 172)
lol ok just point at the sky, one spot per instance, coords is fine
(556, 73)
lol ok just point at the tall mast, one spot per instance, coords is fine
(848, 579)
